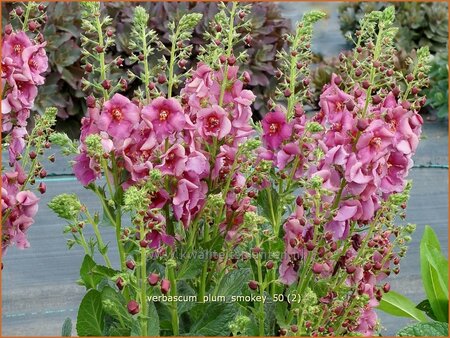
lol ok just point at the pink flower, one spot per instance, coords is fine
(188, 199)
(374, 141)
(332, 101)
(118, 117)
(276, 129)
(83, 171)
(213, 122)
(28, 203)
(165, 115)
(35, 62)
(14, 46)
(173, 161)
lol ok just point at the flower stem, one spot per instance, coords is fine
(100, 242)
(143, 271)
(174, 307)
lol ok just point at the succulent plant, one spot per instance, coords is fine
(62, 31)
(421, 23)
(437, 94)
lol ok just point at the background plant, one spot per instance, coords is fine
(63, 33)
(434, 271)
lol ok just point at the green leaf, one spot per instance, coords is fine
(191, 269)
(398, 305)
(66, 330)
(153, 320)
(90, 319)
(425, 329)
(429, 237)
(425, 306)
(434, 269)
(87, 273)
(113, 303)
(119, 332)
(232, 282)
(214, 321)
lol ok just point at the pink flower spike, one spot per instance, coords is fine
(213, 122)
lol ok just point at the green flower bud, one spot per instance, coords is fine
(66, 206)
(94, 145)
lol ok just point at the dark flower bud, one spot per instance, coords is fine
(359, 49)
(406, 105)
(287, 92)
(99, 49)
(109, 32)
(306, 81)
(222, 59)
(376, 64)
(32, 25)
(106, 84)
(246, 77)
(143, 243)
(90, 101)
(119, 283)
(396, 91)
(218, 28)
(43, 173)
(248, 39)
(41, 7)
(88, 68)
(415, 90)
(376, 99)
(256, 250)
(141, 57)
(409, 77)
(269, 265)
(358, 72)
(151, 86)
(119, 62)
(182, 63)
(162, 78)
(389, 72)
(241, 15)
(8, 29)
(180, 44)
(153, 279)
(130, 264)
(337, 80)
(42, 188)
(386, 287)
(133, 307)
(32, 155)
(350, 269)
(165, 286)
(366, 84)
(253, 285)
(350, 105)
(124, 84)
(19, 11)
(358, 93)
(294, 328)
(310, 246)
(231, 60)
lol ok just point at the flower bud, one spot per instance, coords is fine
(119, 283)
(32, 155)
(43, 173)
(32, 25)
(406, 105)
(130, 264)
(248, 40)
(88, 68)
(19, 11)
(42, 188)
(269, 265)
(41, 7)
(106, 84)
(317, 268)
(8, 29)
(218, 28)
(143, 243)
(306, 81)
(123, 84)
(90, 101)
(253, 285)
(294, 328)
(376, 99)
(350, 105)
(222, 59)
(182, 63)
(366, 84)
(386, 287)
(246, 77)
(358, 72)
(310, 246)
(165, 286)
(287, 92)
(415, 90)
(153, 279)
(231, 60)
(241, 15)
(119, 62)
(162, 78)
(109, 32)
(133, 307)
(99, 49)
(337, 80)
(409, 77)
